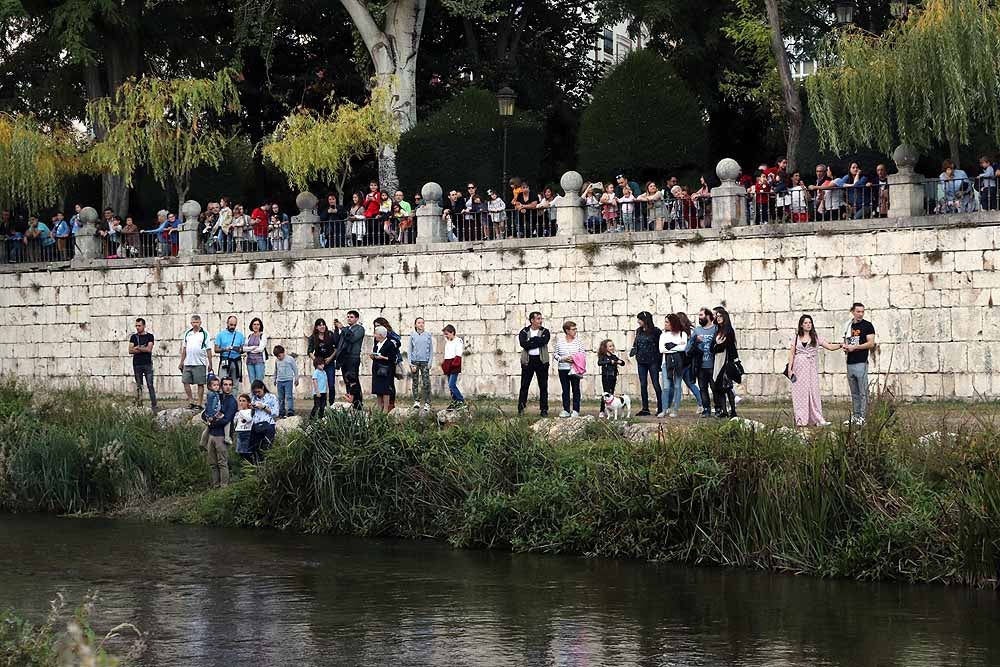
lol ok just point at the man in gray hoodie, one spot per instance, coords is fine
(352, 337)
(701, 339)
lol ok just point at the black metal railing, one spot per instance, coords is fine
(960, 195)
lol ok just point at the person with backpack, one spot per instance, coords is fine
(572, 359)
(195, 361)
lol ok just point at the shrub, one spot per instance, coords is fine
(643, 121)
(464, 141)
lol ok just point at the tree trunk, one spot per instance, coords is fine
(954, 146)
(393, 50)
(789, 90)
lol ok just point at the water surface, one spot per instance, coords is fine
(233, 598)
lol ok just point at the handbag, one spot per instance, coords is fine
(734, 370)
(788, 374)
(382, 371)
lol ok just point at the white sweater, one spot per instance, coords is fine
(678, 339)
(453, 348)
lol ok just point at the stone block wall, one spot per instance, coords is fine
(931, 286)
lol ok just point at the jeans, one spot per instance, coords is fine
(331, 380)
(672, 387)
(652, 372)
(218, 460)
(286, 396)
(255, 372)
(456, 395)
(147, 373)
(569, 383)
(857, 379)
(541, 372)
(319, 406)
(260, 441)
(692, 383)
(262, 245)
(704, 382)
(421, 381)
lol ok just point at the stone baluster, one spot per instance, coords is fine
(729, 200)
(430, 227)
(88, 243)
(571, 211)
(305, 225)
(906, 188)
(190, 234)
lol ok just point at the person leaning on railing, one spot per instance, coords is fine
(856, 193)
(956, 189)
(987, 185)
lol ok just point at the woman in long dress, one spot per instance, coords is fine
(383, 358)
(803, 369)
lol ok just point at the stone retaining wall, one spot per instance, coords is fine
(930, 285)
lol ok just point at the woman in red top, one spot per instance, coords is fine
(260, 217)
(762, 198)
(373, 200)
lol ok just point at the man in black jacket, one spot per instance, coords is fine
(352, 337)
(534, 342)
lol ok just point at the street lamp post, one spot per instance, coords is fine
(844, 10)
(505, 102)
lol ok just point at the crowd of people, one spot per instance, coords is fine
(376, 217)
(702, 356)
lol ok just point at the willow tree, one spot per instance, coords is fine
(37, 162)
(311, 147)
(169, 126)
(928, 79)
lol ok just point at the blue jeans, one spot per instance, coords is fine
(672, 388)
(286, 396)
(331, 379)
(687, 377)
(262, 245)
(255, 372)
(456, 395)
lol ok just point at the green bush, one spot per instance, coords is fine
(464, 141)
(643, 121)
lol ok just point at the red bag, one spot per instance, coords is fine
(453, 365)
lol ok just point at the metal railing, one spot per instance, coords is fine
(960, 195)
(133, 245)
(609, 214)
(811, 203)
(538, 221)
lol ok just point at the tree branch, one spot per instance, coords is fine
(370, 33)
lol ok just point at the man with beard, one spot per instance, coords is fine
(699, 348)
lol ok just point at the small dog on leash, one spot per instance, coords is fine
(615, 405)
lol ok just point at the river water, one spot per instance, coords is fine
(230, 598)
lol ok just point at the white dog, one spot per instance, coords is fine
(614, 405)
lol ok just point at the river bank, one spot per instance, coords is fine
(885, 502)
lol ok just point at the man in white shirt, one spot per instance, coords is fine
(195, 360)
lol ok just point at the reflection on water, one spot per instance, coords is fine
(234, 598)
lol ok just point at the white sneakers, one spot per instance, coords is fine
(672, 414)
(574, 414)
(416, 405)
(661, 415)
(564, 414)
(427, 406)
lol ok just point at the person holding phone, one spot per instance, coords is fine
(383, 358)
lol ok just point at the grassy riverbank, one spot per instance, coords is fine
(876, 503)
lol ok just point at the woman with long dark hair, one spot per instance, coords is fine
(803, 371)
(673, 342)
(690, 366)
(323, 345)
(255, 347)
(265, 407)
(724, 349)
(646, 350)
(359, 223)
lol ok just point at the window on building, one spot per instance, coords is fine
(609, 43)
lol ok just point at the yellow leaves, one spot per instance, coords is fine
(37, 161)
(309, 147)
(172, 126)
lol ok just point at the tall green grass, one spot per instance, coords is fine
(77, 450)
(870, 503)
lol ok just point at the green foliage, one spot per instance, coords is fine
(309, 147)
(928, 79)
(37, 162)
(464, 141)
(643, 121)
(169, 126)
(63, 639)
(75, 450)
